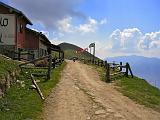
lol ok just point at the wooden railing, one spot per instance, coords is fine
(52, 63)
(20, 55)
(112, 70)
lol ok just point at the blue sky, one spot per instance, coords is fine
(118, 27)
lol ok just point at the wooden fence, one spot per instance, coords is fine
(20, 55)
(112, 70)
(52, 63)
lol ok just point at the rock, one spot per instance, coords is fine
(117, 115)
(33, 86)
(88, 118)
(89, 93)
(95, 106)
(102, 116)
(97, 101)
(76, 87)
(7, 109)
(100, 112)
(38, 81)
(23, 85)
(110, 110)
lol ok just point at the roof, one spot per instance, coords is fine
(16, 11)
(31, 30)
(44, 38)
(55, 48)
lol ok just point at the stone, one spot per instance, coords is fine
(76, 87)
(98, 112)
(33, 86)
(95, 106)
(110, 110)
(97, 101)
(38, 81)
(22, 85)
(88, 118)
(117, 115)
(89, 93)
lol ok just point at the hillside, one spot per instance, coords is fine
(6, 65)
(70, 51)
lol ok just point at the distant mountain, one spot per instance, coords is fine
(144, 67)
(70, 51)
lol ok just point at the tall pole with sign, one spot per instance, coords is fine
(90, 52)
(92, 45)
(94, 50)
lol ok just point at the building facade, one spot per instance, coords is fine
(36, 43)
(12, 28)
(15, 36)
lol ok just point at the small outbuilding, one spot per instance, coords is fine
(36, 43)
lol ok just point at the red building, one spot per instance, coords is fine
(37, 43)
(15, 36)
(12, 28)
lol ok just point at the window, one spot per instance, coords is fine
(20, 28)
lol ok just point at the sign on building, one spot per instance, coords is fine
(7, 29)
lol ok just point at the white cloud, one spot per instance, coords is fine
(56, 41)
(133, 41)
(90, 26)
(126, 40)
(49, 12)
(65, 25)
(150, 41)
(103, 21)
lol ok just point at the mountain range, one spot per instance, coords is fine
(143, 67)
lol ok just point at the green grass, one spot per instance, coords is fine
(140, 91)
(6, 65)
(136, 89)
(22, 103)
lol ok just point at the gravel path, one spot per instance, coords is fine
(81, 95)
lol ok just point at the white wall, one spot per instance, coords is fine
(7, 29)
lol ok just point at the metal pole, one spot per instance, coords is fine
(93, 53)
(90, 53)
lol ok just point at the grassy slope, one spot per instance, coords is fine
(22, 103)
(70, 51)
(141, 91)
(136, 89)
(6, 65)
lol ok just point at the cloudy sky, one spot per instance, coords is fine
(118, 27)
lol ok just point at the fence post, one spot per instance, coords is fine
(127, 66)
(104, 64)
(130, 70)
(107, 73)
(101, 63)
(19, 54)
(49, 67)
(62, 55)
(120, 66)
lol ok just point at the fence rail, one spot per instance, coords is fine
(51, 65)
(20, 55)
(112, 70)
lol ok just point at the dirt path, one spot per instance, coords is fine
(81, 95)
